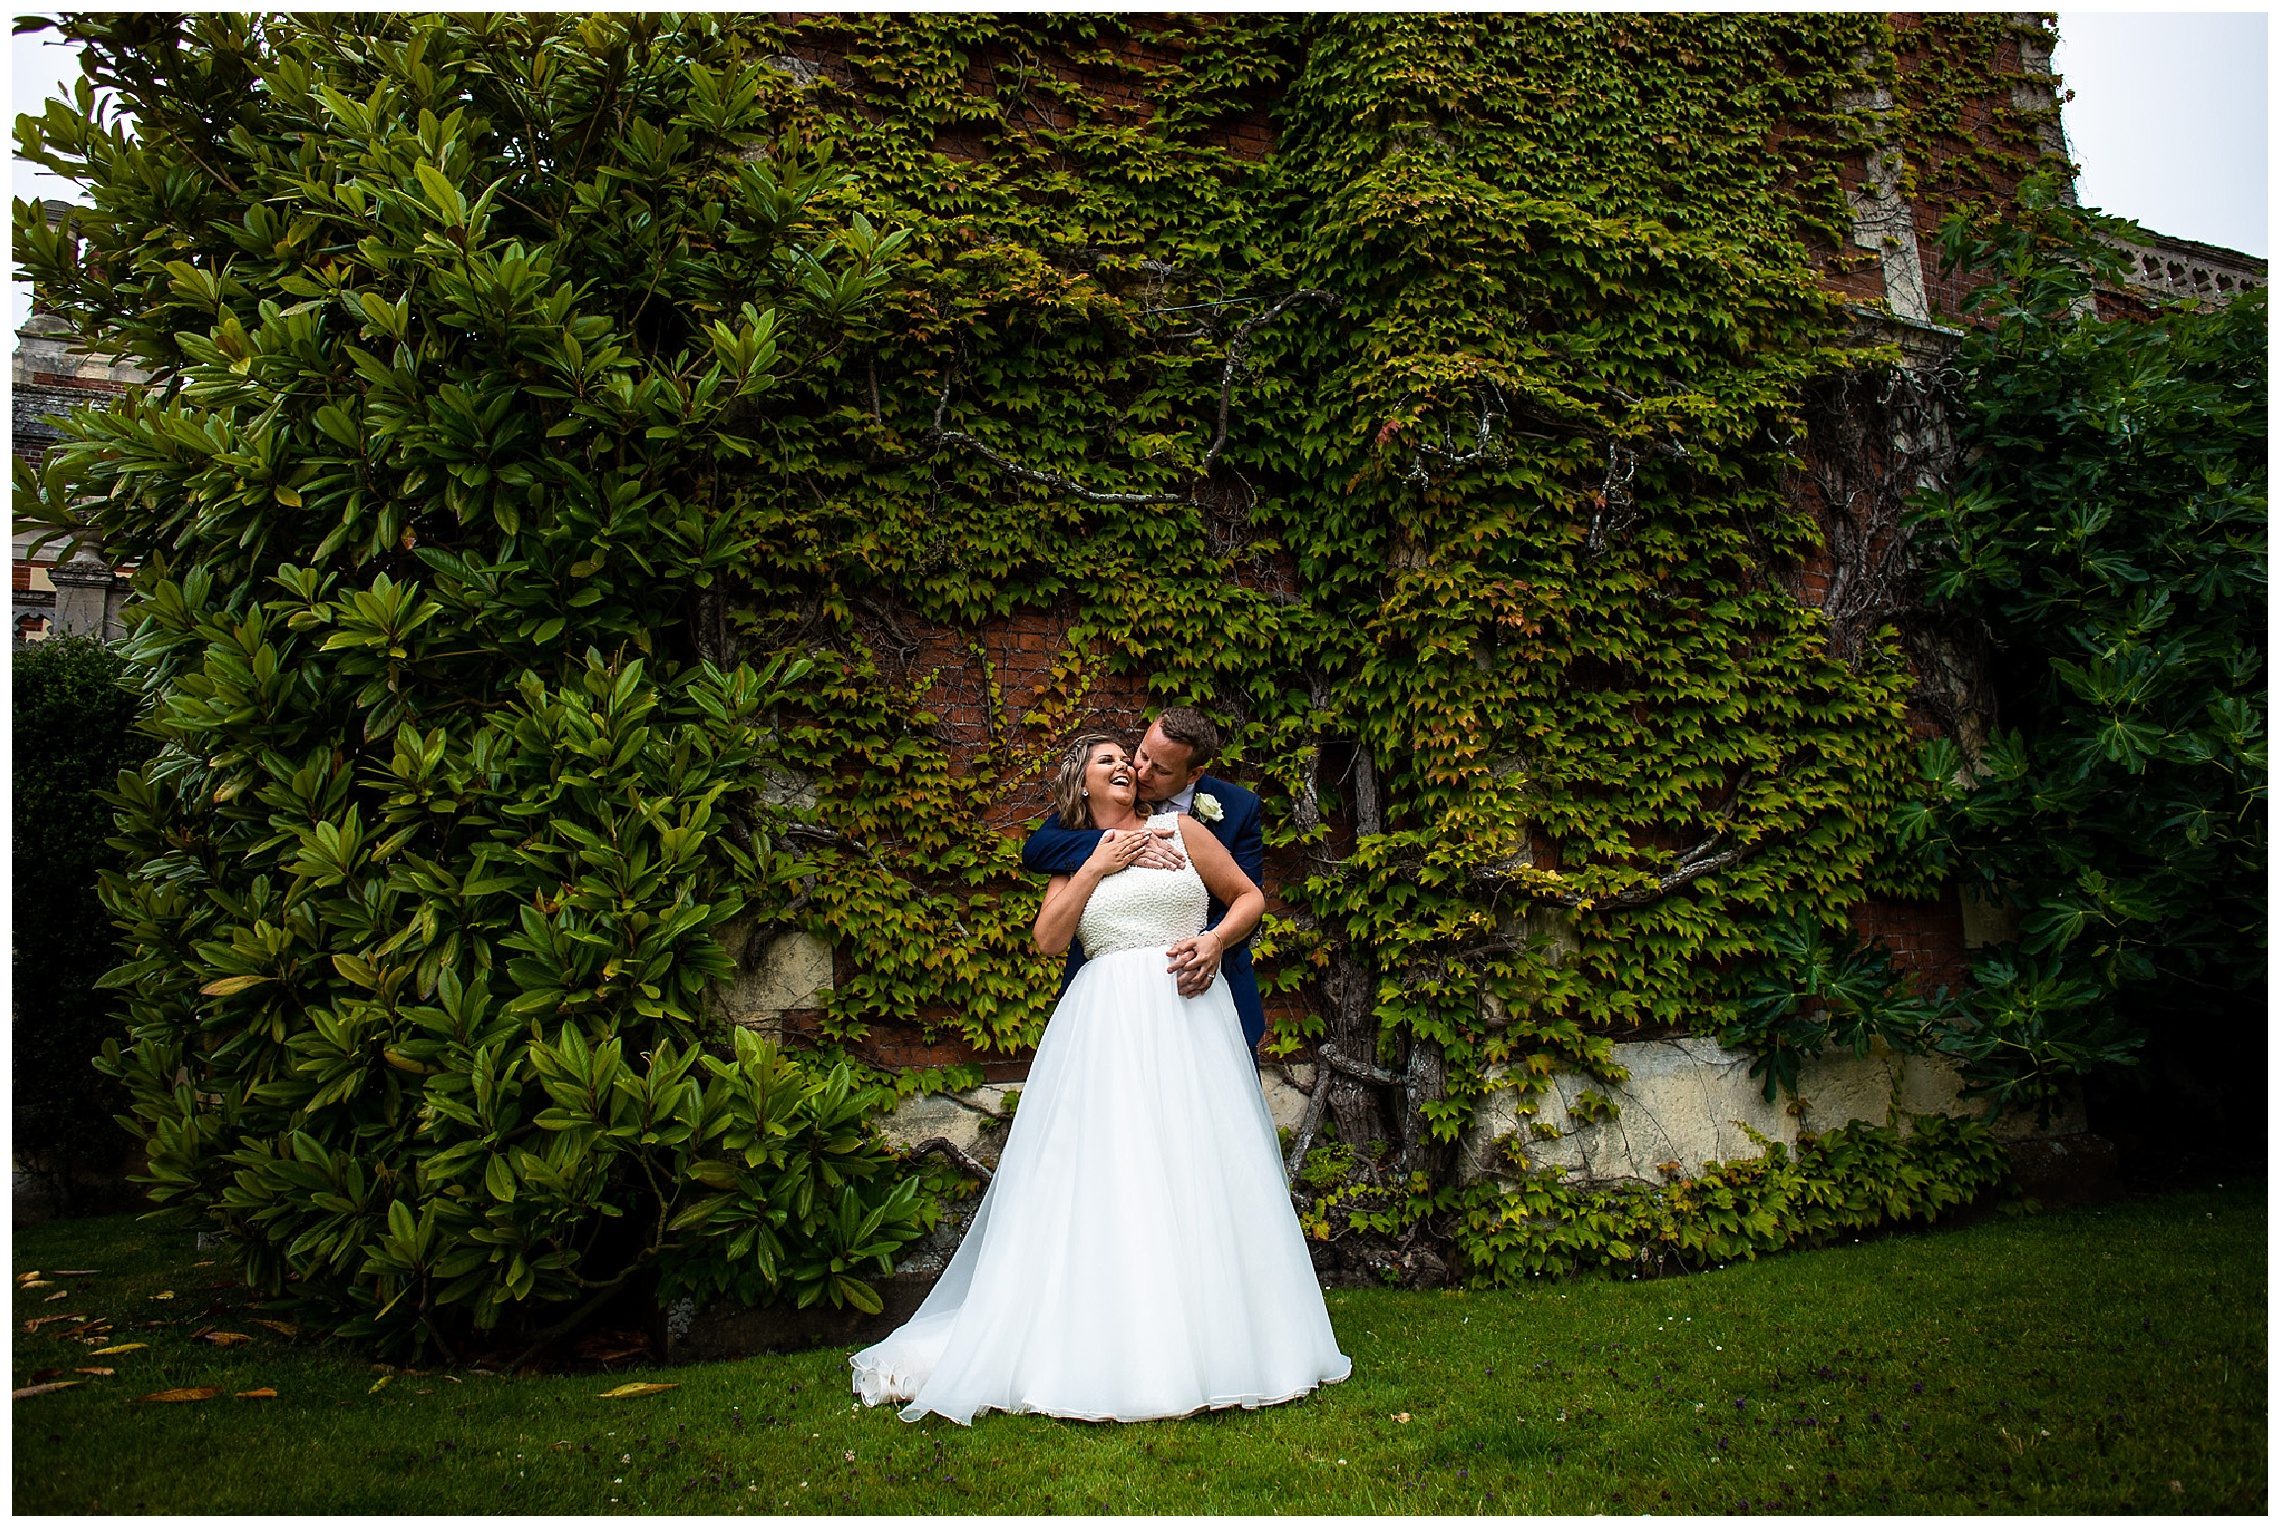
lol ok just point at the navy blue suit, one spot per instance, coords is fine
(1055, 850)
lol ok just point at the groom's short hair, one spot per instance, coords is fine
(1192, 730)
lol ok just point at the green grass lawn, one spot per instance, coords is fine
(2096, 1360)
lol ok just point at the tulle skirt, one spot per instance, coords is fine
(1136, 1254)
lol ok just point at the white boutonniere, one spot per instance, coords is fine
(1206, 808)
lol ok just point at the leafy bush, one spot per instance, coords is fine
(72, 729)
(459, 330)
(2018, 1035)
(1817, 991)
(2105, 538)
(1850, 1179)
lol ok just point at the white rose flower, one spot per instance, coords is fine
(1207, 808)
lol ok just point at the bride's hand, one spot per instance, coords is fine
(1117, 850)
(1195, 962)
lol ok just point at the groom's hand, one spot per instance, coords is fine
(1195, 962)
(1159, 854)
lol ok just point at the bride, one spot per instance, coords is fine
(1136, 1254)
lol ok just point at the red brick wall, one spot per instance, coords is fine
(1926, 938)
(1115, 97)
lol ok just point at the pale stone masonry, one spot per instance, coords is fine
(1689, 1102)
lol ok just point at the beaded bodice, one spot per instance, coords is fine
(1136, 908)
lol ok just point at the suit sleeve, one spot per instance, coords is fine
(1055, 850)
(1248, 847)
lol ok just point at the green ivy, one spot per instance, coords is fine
(1608, 234)
(1861, 1177)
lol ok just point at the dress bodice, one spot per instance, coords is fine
(1136, 908)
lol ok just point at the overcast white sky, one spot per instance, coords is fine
(2168, 121)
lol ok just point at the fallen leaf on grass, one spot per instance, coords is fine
(42, 1376)
(637, 1388)
(77, 1273)
(194, 1393)
(37, 1322)
(222, 1339)
(379, 1384)
(1401, 1416)
(208, 1263)
(89, 1369)
(121, 1347)
(281, 1328)
(263, 1394)
(61, 1294)
(27, 1275)
(164, 1294)
(35, 1283)
(61, 1384)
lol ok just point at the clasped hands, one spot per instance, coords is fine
(1195, 960)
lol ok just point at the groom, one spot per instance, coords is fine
(1167, 769)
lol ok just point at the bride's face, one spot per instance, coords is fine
(1108, 779)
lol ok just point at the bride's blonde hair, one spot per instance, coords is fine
(1069, 780)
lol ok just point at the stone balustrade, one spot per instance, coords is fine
(2172, 268)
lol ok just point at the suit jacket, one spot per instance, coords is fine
(1055, 850)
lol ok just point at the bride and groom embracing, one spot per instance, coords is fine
(1136, 1255)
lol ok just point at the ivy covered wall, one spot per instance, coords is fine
(1500, 575)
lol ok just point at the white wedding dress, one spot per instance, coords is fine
(1136, 1254)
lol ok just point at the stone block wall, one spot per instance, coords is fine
(779, 974)
(1690, 1101)
(976, 1121)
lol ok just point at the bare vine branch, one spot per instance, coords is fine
(943, 1146)
(1694, 863)
(1012, 468)
(1338, 1061)
(1316, 1103)
(1617, 509)
(942, 435)
(1492, 408)
(1235, 360)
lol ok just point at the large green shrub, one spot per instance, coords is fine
(2104, 537)
(462, 333)
(71, 726)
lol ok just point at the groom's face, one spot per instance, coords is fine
(1160, 767)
